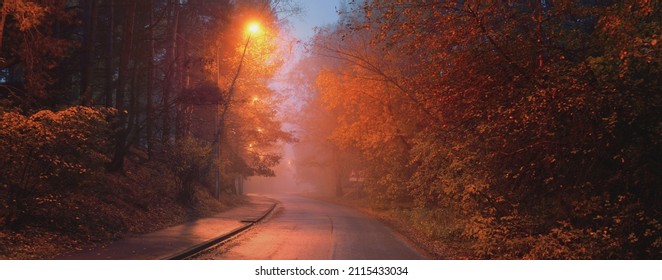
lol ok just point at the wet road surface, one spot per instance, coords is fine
(310, 229)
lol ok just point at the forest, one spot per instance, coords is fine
(507, 129)
(119, 115)
(492, 129)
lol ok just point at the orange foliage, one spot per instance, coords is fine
(540, 132)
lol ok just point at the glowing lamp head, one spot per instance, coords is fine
(253, 27)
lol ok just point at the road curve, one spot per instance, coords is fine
(310, 229)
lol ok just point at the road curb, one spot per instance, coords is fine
(204, 245)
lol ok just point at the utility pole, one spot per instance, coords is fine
(222, 112)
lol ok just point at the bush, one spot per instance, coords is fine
(189, 160)
(48, 150)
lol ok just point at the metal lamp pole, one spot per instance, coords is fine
(221, 112)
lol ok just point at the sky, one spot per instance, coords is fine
(315, 13)
(299, 29)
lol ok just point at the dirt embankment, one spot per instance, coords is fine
(141, 200)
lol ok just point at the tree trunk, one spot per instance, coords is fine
(339, 171)
(3, 18)
(182, 83)
(90, 30)
(133, 130)
(179, 106)
(538, 10)
(110, 40)
(149, 124)
(339, 187)
(168, 82)
(127, 45)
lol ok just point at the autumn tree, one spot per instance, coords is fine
(247, 116)
(315, 153)
(527, 120)
(152, 65)
(31, 49)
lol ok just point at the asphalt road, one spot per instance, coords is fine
(310, 229)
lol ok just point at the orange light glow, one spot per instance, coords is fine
(253, 27)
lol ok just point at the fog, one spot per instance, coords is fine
(284, 181)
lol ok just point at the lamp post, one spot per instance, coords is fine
(224, 106)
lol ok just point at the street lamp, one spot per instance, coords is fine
(252, 28)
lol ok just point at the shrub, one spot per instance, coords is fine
(48, 150)
(189, 160)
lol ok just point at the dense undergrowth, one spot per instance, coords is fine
(142, 200)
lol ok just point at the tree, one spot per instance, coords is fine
(30, 49)
(90, 19)
(512, 115)
(123, 130)
(154, 54)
